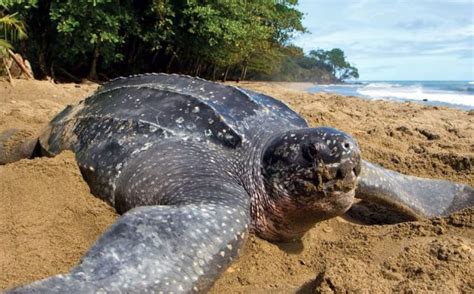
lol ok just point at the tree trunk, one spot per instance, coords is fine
(198, 67)
(132, 53)
(93, 71)
(137, 53)
(214, 71)
(168, 67)
(39, 28)
(207, 69)
(187, 67)
(51, 70)
(43, 66)
(244, 72)
(224, 79)
(155, 57)
(20, 64)
(198, 70)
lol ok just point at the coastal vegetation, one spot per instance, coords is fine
(11, 29)
(229, 39)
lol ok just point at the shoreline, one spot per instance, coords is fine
(455, 94)
(308, 86)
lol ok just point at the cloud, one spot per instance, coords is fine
(416, 24)
(373, 33)
(393, 41)
(378, 68)
(381, 41)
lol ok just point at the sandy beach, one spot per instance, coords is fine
(48, 218)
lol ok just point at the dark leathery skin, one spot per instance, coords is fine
(150, 160)
(193, 166)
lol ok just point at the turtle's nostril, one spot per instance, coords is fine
(310, 152)
(339, 174)
(355, 171)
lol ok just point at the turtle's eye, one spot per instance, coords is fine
(309, 152)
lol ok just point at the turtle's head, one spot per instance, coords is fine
(309, 175)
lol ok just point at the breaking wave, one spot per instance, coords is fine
(433, 92)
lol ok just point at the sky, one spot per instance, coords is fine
(395, 39)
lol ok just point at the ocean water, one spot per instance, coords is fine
(458, 94)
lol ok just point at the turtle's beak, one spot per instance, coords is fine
(337, 163)
(341, 176)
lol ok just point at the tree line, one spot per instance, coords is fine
(215, 39)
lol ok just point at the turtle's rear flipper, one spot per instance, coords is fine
(412, 196)
(16, 144)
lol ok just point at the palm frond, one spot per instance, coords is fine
(4, 46)
(11, 28)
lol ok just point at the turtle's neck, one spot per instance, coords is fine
(275, 215)
(263, 209)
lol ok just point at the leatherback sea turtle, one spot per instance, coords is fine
(193, 166)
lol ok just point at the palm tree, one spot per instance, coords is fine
(11, 30)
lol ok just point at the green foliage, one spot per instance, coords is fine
(319, 66)
(11, 29)
(210, 38)
(88, 30)
(154, 24)
(335, 61)
(24, 4)
(227, 33)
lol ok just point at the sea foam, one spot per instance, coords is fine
(450, 93)
(417, 93)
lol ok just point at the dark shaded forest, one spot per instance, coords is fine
(102, 39)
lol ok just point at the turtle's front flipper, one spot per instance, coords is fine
(157, 249)
(417, 197)
(15, 145)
